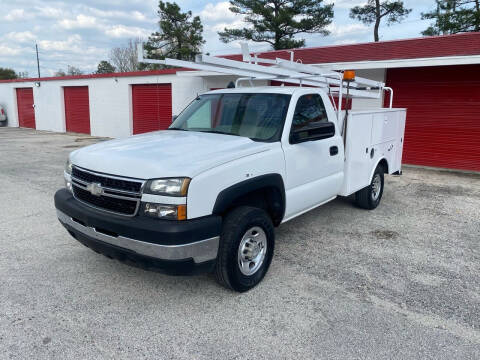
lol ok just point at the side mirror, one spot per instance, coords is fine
(312, 132)
(174, 117)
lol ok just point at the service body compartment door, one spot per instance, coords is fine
(372, 136)
(357, 153)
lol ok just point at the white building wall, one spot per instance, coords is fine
(110, 101)
(109, 107)
(365, 104)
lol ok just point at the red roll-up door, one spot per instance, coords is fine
(443, 114)
(77, 109)
(152, 107)
(26, 111)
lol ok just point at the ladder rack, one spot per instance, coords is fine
(285, 71)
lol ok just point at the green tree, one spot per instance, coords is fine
(277, 22)
(7, 74)
(104, 67)
(180, 35)
(374, 11)
(453, 16)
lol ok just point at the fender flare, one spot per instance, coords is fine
(228, 195)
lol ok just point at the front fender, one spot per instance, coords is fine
(205, 189)
(227, 196)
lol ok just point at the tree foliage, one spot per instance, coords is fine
(71, 70)
(277, 22)
(104, 67)
(124, 58)
(453, 16)
(374, 11)
(7, 74)
(180, 35)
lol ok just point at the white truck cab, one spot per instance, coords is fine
(206, 194)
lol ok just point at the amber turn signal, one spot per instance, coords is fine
(182, 212)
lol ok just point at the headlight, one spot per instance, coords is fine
(68, 167)
(168, 187)
(164, 211)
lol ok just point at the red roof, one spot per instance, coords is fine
(424, 47)
(98, 76)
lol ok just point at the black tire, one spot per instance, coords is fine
(235, 226)
(368, 198)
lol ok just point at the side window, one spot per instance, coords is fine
(309, 109)
(202, 117)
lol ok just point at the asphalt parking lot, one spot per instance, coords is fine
(400, 282)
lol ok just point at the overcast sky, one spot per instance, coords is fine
(82, 32)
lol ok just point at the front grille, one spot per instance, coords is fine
(121, 206)
(110, 182)
(117, 195)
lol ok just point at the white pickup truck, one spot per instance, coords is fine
(207, 193)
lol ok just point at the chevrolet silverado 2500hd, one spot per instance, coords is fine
(206, 194)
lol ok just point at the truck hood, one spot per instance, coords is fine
(166, 153)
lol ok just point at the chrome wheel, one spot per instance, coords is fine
(252, 250)
(376, 187)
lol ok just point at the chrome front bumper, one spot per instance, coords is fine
(200, 251)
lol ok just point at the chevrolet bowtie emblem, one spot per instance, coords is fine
(95, 189)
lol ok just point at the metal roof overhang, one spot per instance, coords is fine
(402, 63)
(368, 64)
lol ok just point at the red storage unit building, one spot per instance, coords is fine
(443, 114)
(77, 109)
(436, 78)
(152, 107)
(26, 111)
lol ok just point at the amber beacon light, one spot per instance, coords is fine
(349, 75)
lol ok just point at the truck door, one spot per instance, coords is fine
(314, 169)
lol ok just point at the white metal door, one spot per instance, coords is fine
(315, 168)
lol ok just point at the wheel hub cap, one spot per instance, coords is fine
(252, 250)
(376, 187)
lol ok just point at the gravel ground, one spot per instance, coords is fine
(400, 282)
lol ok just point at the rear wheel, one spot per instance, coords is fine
(246, 248)
(369, 197)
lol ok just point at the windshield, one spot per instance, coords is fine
(257, 116)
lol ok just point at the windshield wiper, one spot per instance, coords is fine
(180, 129)
(218, 132)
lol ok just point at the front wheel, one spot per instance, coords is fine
(246, 248)
(369, 197)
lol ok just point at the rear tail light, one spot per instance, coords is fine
(3, 112)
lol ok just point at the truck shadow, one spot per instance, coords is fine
(287, 235)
